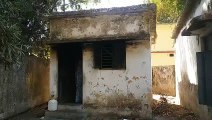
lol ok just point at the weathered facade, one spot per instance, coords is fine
(23, 87)
(192, 35)
(163, 61)
(110, 56)
(163, 80)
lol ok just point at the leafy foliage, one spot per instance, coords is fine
(73, 4)
(23, 27)
(168, 11)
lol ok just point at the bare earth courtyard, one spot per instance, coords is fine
(163, 108)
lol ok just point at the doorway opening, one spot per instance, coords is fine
(70, 73)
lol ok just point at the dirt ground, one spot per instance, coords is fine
(162, 110)
(36, 113)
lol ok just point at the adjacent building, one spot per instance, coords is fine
(193, 35)
(163, 61)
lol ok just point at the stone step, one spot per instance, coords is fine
(67, 114)
(48, 118)
(90, 118)
(70, 107)
(76, 112)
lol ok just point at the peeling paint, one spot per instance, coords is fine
(128, 89)
(122, 105)
(119, 85)
(130, 81)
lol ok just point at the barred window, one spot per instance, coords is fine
(110, 55)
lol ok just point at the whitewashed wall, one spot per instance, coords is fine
(186, 68)
(186, 74)
(109, 88)
(53, 73)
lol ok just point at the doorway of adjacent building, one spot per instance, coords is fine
(69, 73)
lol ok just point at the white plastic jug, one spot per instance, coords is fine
(52, 105)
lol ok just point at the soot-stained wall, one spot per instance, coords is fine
(24, 87)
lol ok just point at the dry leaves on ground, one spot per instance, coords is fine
(163, 108)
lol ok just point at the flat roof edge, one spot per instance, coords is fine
(105, 11)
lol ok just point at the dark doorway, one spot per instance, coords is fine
(70, 73)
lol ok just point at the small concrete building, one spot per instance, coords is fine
(193, 34)
(102, 58)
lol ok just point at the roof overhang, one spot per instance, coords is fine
(142, 36)
(200, 25)
(190, 5)
(120, 23)
(135, 9)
